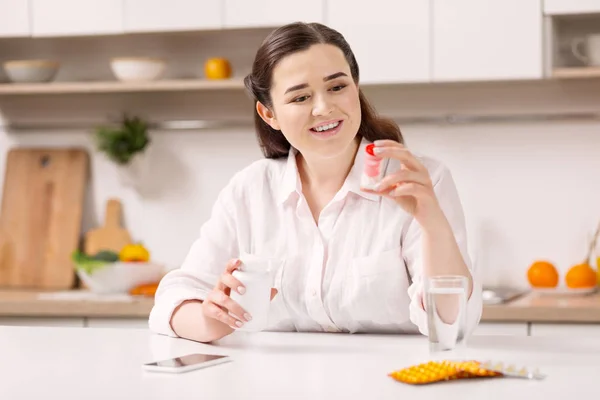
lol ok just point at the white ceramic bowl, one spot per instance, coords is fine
(31, 71)
(120, 277)
(133, 69)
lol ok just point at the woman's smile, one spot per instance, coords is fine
(327, 130)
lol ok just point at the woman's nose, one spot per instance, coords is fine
(322, 106)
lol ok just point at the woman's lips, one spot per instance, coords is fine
(329, 132)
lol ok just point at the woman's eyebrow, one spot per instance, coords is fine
(305, 85)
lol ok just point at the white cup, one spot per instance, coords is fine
(257, 276)
(587, 49)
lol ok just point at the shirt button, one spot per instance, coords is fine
(313, 292)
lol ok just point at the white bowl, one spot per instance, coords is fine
(31, 71)
(137, 69)
(121, 277)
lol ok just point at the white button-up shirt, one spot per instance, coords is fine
(357, 270)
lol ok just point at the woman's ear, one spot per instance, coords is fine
(267, 115)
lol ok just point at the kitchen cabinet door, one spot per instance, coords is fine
(129, 323)
(502, 328)
(557, 7)
(76, 17)
(173, 15)
(390, 38)
(476, 40)
(14, 18)
(271, 13)
(41, 321)
(567, 330)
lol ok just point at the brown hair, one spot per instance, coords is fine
(289, 39)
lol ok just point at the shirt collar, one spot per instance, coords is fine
(291, 182)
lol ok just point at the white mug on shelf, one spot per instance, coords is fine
(587, 49)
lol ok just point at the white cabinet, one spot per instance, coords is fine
(14, 18)
(271, 13)
(135, 323)
(76, 17)
(502, 328)
(567, 330)
(172, 15)
(390, 38)
(41, 321)
(556, 7)
(487, 40)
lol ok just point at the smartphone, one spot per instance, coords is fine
(186, 363)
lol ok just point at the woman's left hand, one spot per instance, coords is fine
(411, 186)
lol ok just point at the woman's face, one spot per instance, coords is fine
(315, 102)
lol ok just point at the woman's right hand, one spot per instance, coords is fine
(218, 304)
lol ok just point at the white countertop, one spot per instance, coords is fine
(86, 363)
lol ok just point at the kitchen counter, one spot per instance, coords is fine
(99, 363)
(75, 303)
(533, 307)
(528, 308)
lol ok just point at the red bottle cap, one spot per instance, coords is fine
(370, 148)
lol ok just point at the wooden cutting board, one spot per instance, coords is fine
(112, 236)
(40, 218)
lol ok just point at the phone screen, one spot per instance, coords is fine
(183, 361)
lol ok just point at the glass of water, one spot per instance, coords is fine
(446, 305)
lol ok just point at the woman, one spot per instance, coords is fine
(352, 260)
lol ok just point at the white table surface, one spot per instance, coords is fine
(87, 363)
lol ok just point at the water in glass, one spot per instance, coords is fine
(446, 305)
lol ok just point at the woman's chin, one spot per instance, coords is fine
(331, 149)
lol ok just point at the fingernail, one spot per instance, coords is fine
(241, 290)
(239, 324)
(248, 317)
(377, 143)
(377, 150)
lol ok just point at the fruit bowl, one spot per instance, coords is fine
(564, 291)
(544, 279)
(119, 277)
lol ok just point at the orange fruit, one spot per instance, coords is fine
(217, 68)
(542, 274)
(145, 289)
(581, 276)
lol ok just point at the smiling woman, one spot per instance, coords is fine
(347, 259)
(299, 73)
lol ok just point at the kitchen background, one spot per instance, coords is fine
(530, 186)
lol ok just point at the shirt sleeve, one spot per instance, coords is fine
(449, 200)
(201, 268)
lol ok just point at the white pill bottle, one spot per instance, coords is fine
(257, 276)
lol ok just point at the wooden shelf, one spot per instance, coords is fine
(119, 87)
(577, 72)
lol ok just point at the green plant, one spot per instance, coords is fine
(121, 143)
(86, 263)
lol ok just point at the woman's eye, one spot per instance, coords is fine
(338, 88)
(300, 99)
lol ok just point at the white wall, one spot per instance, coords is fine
(529, 190)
